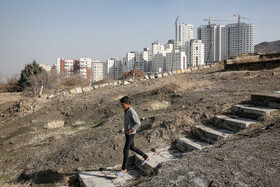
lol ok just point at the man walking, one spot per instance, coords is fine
(131, 123)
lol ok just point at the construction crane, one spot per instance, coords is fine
(175, 42)
(239, 29)
(210, 38)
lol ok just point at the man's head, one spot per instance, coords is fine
(125, 102)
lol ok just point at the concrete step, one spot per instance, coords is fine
(232, 122)
(107, 178)
(155, 160)
(254, 112)
(188, 144)
(209, 134)
(269, 100)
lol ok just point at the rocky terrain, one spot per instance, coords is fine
(45, 142)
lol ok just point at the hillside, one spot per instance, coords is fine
(268, 47)
(91, 136)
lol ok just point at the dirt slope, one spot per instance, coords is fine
(248, 159)
(92, 134)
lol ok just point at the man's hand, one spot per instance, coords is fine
(129, 132)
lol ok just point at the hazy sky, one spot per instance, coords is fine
(47, 29)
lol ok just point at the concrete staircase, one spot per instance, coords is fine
(261, 107)
(107, 176)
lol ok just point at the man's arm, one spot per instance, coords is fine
(136, 120)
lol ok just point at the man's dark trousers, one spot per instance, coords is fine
(129, 145)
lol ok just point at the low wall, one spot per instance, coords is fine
(252, 66)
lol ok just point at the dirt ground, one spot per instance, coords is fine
(249, 158)
(92, 135)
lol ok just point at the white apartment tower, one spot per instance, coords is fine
(159, 62)
(213, 37)
(146, 57)
(97, 71)
(157, 48)
(246, 38)
(118, 69)
(85, 67)
(184, 33)
(109, 69)
(195, 52)
(129, 60)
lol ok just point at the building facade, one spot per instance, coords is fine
(67, 66)
(214, 40)
(180, 60)
(184, 33)
(84, 68)
(97, 71)
(246, 38)
(109, 69)
(195, 53)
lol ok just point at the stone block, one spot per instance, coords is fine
(85, 89)
(43, 96)
(178, 71)
(54, 124)
(254, 112)
(90, 87)
(95, 87)
(79, 90)
(165, 74)
(169, 73)
(173, 72)
(152, 77)
(268, 100)
(159, 75)
(73, 91)
(125, 82)
(188, 144)
(51, 96)
(147, 77)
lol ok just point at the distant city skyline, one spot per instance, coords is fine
(46, 30)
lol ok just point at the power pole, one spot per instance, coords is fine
(239, 30)
(175, 42)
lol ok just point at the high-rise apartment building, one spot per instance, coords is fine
(184, 33)
(66, 66)
(84, 68)
(214, 38)
(146, 57)
(97, 71)
(109, 68)
(180, 60)
(246, 38)
(223, 40)
(195, 52)
(118, 69)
